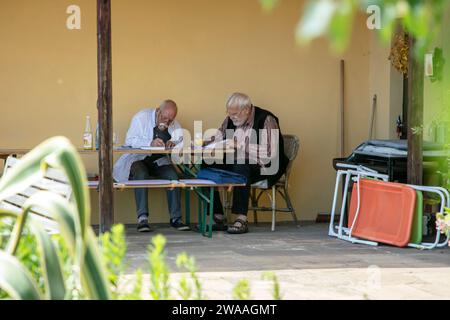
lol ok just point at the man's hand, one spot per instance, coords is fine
(208, 142)
(232, 144)
(157, 143)
(170, 144)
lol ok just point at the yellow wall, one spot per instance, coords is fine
(387, 84)
(195, 52)
(376, 86)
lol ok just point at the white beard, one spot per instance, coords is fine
(238, 123)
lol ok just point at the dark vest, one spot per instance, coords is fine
(258, 124)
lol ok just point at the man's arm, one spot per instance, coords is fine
(176, 135)
(219, 134)
(136, 136)
(262, 152)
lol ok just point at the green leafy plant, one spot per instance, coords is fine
(114, 247)
(136, 293)
(241, 290)
(334, 19)
(443, 222)
(75, 264)
(159, 271)
(275, 284)
(26, 253)
(188, 263)
(88, 274)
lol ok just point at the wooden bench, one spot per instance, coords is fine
(54, 181)
(203, 188)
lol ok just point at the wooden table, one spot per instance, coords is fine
(205, 196)
(4, 153)
(185, 167)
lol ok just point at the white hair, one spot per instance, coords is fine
(239, 99)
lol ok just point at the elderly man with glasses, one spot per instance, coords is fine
(157, 128)
(255, 134)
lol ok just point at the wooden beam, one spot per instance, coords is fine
(342, 108)
(104, 106)
(415, 115)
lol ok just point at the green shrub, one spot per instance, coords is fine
(75, 264)
(241, 291)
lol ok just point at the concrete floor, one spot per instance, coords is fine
(308, 263)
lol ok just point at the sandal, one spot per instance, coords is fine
(219, 225)
(239, 227)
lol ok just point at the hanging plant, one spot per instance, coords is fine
(399, 53)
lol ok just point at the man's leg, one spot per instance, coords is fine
(139, 171)
(173, 196)
(218, 213)
(241, 196)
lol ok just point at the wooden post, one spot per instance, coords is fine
(405, 108)
(415, 115)
(342, 108)
(104, 106)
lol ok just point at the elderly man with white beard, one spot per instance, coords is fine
(256, 136)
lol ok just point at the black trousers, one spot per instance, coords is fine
(241, 195)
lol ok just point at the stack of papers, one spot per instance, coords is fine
(141, 148)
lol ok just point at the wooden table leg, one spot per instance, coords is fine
(187, 206)
(211, 210)
(199, 213)
(204, 211)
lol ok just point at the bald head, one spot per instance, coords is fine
(167, 112)
(168, 104)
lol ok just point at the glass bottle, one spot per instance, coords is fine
(87, 136)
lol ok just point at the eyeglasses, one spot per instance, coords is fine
(237, 115)
(163, 119)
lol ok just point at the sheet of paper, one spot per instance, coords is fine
(124, 148)
(153, 148)
(218, 144)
